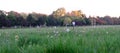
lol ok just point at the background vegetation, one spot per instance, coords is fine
(58, 18)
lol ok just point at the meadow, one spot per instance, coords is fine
(83, 39)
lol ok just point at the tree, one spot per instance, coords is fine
(11, 19)
(3, 20)
(108, 19)
(42, 20)
(30, 20)
(80, 22)
(87, 21)
(51, 21)
(24, 15)
(20, 21)
(59, 12)
(67, 21)
(100, 21)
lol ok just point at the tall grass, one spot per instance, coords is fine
(57, 40)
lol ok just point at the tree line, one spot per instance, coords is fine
(58, 18)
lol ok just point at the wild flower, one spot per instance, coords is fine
(51, 36)
(67, 30)
(16, 37)
(56, 33)
(106, 32)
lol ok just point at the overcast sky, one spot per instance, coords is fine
(89, 7)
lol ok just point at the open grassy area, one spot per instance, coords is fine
(88, 39)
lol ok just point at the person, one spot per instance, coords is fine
(73, 23)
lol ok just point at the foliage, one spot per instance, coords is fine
(58, 18)
(30, 20)
(42, 20)
(67, 21)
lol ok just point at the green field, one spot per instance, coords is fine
(87, 39)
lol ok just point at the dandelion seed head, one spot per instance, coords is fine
(51, 36)
(67, 30)
(106, 32)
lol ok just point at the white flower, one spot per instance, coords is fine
(56, 32)
(51, 36)
(67, 30)
(106, 32)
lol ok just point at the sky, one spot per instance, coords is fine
(88, 7)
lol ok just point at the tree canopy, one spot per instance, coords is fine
(58, 18)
